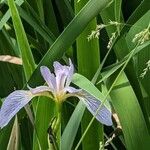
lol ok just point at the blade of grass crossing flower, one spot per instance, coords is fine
(85, 84)
(26, 54)
(88, 59)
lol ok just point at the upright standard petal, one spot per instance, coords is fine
(92, 104)
(12, 104)
(58, 67)
(70, 73)
(48, 77)
(61, 73)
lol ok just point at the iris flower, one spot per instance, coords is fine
(58, 88)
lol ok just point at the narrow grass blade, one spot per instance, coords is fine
(72, 127)
(50, 17)
(37, 26)
(65, 10)
(14, 137)
(117, 8)
(7, 15)
(26, 54)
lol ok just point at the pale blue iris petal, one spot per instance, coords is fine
(72, 90)
(12, 104)
(61, 73)
(60, 80)
(70, 73)
(48, 77)
(103, 115)
(58, 68)
(40, 89)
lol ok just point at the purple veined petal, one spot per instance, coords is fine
(61, 73)
(70, 73)
(39, 89)
(72, 90)
(104, 114)
(58, 67)
(60, 80)
(12, 104)
(48, 77)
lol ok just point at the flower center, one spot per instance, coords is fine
(60, 96)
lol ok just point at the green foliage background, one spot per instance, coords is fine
(40, 32)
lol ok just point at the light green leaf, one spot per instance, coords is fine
(89, 87)
(26, 54)
(7, 15)
(72, 126)
(130, 115)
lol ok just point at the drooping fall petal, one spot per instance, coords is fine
(103, 115)
(39, 89)
(12, 104)
(72, 90)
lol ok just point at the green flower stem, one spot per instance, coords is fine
(57, 128)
